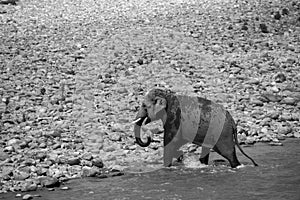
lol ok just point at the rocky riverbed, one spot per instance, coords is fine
(73, 74)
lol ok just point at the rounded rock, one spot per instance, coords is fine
(27, 197)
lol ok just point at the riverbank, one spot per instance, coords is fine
(73, 75)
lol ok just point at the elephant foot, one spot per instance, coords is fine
(180, 159)
(204, 160)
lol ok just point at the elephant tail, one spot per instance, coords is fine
(237, 142)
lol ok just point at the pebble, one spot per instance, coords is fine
(27, 197)
(65, 188)
(275, 144)
(297, 134)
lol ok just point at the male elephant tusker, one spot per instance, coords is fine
(189, 119)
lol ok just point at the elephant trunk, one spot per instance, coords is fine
(141, 116)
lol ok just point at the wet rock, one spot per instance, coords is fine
(49, 182)
(275, 144)
(27, 197)
(65, 188)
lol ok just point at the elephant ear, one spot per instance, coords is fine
(174, 116)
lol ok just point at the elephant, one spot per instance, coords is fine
(189, 119)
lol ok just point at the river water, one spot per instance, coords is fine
(276, 177)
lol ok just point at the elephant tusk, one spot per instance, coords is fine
(135, 121)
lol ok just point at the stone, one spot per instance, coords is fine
(87, 156)
(27, 197)
(280, 77)
(289, 101)
(297, 134)
(270, 97)
(277, 15)
(6, 171)
(256, 102)
(3, 155)
(284, 130)
(20, 175)
(263, 28)
(275, 144)
(29, 187)
(49, 182)
(65, 188)
(73, 161)
(89, 171)
(9, 149)
(98, 162)
(12, 142)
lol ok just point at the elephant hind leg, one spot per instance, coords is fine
(229, 154)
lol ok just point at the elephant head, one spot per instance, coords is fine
(153, 108)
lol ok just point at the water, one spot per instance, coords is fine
(277, 177)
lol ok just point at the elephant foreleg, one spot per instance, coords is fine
(204, 155)
(171, 151)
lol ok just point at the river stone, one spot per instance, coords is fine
(275, 144)
(87, 156)
(49, 182)
(9, 149)
(6, 171)
(297, 134)
(98, 162)
(29, 187)
(289, 101)
(256, 102)
(20, 175)
(90, 171)
(3, 155)
(283, 130)
(27, 197)
(12, 142)
(73, 161)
